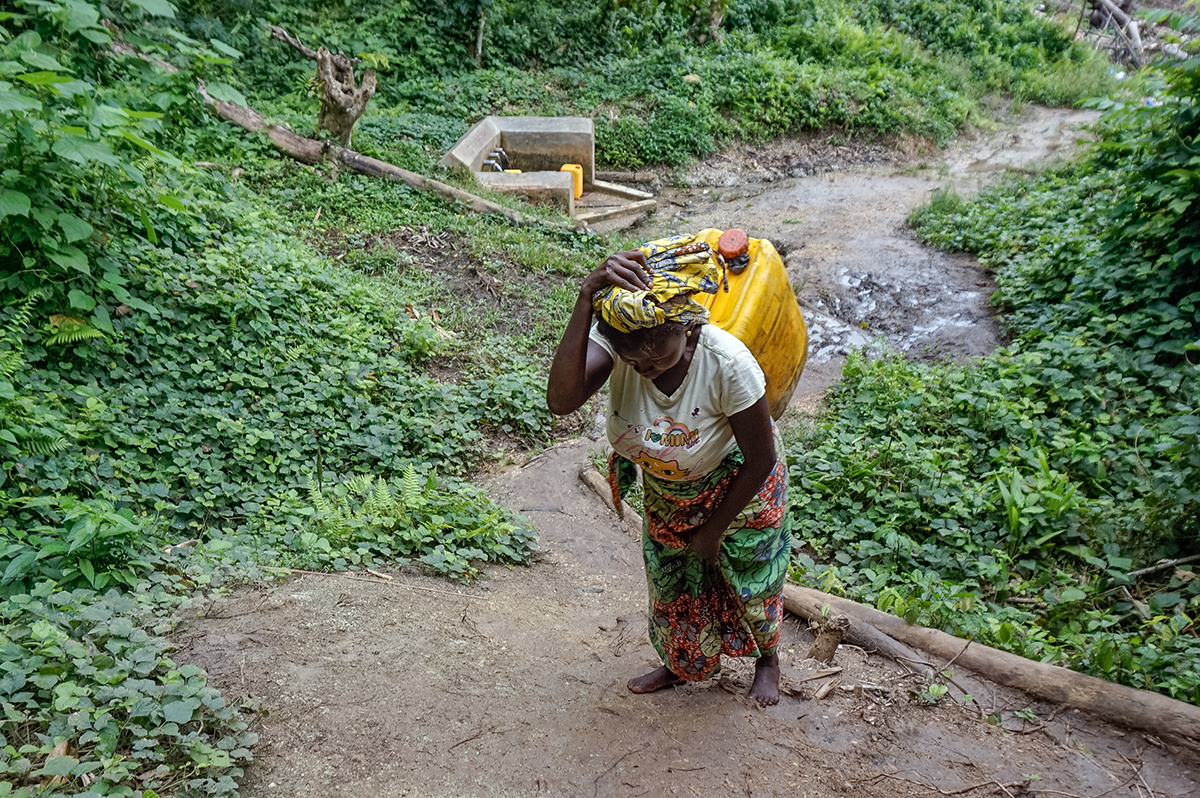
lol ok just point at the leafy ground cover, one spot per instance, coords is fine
(204, 368)
(1023, 500)
(659, 89)
(188, 389)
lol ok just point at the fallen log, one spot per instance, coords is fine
(311, 151)
(1115, 703)
(861, 633)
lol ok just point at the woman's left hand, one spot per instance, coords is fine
(705, 542)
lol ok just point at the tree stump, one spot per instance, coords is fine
(829, 638)
(342, 102)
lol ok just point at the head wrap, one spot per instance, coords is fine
(678, 268)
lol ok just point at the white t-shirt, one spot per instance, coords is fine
(687, 434)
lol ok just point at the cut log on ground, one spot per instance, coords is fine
(311, 151)
(829, 637)
(860, 633)
(1115, 703)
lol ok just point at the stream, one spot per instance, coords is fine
(836, 211)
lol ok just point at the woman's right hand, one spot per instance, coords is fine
(622, 269)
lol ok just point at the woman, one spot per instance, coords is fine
(687, 404)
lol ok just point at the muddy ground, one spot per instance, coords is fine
(515, 686)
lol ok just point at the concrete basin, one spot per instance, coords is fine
(539, 146)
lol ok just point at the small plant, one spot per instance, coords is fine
(79, 543)
(931, 694)
(443, 524)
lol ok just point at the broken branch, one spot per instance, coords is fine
(282, 35)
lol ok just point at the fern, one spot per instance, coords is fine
(318, 501)
(332, 519)
(14, 415)
(295, 353)
(380, 502)
(11, 360)
(412, 493)
(360, 484)
(444, 527)
(45, 444)
(10, 363)
(71, 331)
(20, 319)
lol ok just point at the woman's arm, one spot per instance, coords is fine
(581, 366)
(752, 430)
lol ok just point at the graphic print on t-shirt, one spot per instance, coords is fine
(685, 434)
(660, 468)
(667, 432)
(655, 447)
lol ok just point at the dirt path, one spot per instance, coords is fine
(515, 686)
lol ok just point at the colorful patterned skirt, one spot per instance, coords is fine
(698, 610)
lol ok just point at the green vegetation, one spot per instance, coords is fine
(1011, 500)
(212, 359)
(188, 389)
(92, 697)
(657, 94)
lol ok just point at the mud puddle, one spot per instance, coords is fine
(837, 209)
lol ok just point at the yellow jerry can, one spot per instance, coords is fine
(576, 177)
(761, 310)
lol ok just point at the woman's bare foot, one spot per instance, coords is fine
(765, 689)
(655, 680)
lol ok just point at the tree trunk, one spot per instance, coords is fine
(479, 39)
(342, 102)
(716, 18)
(1115, 703)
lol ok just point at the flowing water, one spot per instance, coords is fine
(860, 274)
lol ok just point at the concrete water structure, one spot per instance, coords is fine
(539, 146)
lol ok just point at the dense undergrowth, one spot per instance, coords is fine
(189, 389)
(659, 89)
(207, 369)
(1024, 499)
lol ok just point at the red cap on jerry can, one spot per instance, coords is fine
(733, 242)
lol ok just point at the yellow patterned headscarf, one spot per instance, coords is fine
(678, 267)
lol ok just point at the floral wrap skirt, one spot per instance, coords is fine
(698, 610)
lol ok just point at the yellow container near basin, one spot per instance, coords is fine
(761, 310)
(577, 173)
